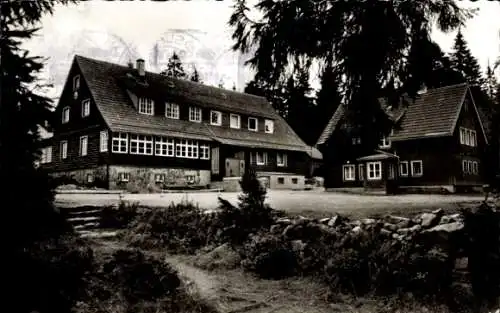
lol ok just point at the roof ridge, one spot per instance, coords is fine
(173, 78)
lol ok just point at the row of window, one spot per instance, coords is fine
(261, 158)
(172, 110)
(468, 137)
(470, 167)
(160, 146)
(374, 170)
(85, 111)
(385, 142)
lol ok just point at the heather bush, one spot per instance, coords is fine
(119, 217)
(180, 228)
(269, 256)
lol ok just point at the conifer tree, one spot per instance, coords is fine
(490, 83)
(464, 62)
(328, 98)
(175, 68)
(195, 76)
(221, 83)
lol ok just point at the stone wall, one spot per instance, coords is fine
(143, 179)
(283, 180)
(90, 177)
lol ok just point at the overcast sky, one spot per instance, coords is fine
(120, 31)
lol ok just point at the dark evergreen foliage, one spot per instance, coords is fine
(464, 62)
(174, 67)
(369, 41)
(195, 76)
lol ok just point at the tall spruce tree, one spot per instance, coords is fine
(38, 268)
(490, 83)
(328, 98)
(299, 104)
(464, 62)
(369, 40)
(175, 68)
(195, 76)
(274, 93)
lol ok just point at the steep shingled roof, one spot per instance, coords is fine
(434, 113)
(107, 83)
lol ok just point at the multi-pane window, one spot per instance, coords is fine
(84, 140)
(349, 171)
(470, 167)
(64, 149)
(252, 124)
(141, 144)
(146, 106)
(269, 126)
(186, 149)
(416, 168)
(261, 158)
(164, 146)
(356, 140)
(475, 167)
(85, 108)
(468, 137)
(204, 151)
(65, 115)
(103, 142)
(216, 118)
(374, 170)
(159, 178)
(281, 159)
(124, 177)
(195, 114)
(119, 143)
(403, 168)
(172, 110)
(46, 155)
(234, 121)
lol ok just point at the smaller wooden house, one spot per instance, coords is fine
(437, 144)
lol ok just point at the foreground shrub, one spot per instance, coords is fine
(119, 217)
(269, 256)
(251, 214)
(180, 228)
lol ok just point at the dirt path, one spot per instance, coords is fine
(234, 291)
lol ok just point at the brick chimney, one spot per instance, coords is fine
(141, 71)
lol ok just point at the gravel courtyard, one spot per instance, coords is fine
(317, 203)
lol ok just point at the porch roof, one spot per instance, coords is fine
(379, 155)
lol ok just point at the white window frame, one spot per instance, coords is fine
(413, 174)
(281, 159)
(351, 171)
(85, 107)
(468, 137)
(238, 124)
(269, 126)
(124, 176)
(84, 145)
(204, 151)
(361, 172)
(119, 141)
(164, 146)
(76, 82)
(65, 114)
(63, 145)
(372, 170)
(46, 155)
(195, 114)
(465, 166)
(172, 110)
(385, 142)
(103, 141)
(146, 106)
(186, 148)
(262, 160)
(401, 172)
(475, 167)
(256, 124)
(141, 142)
(219, 118)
